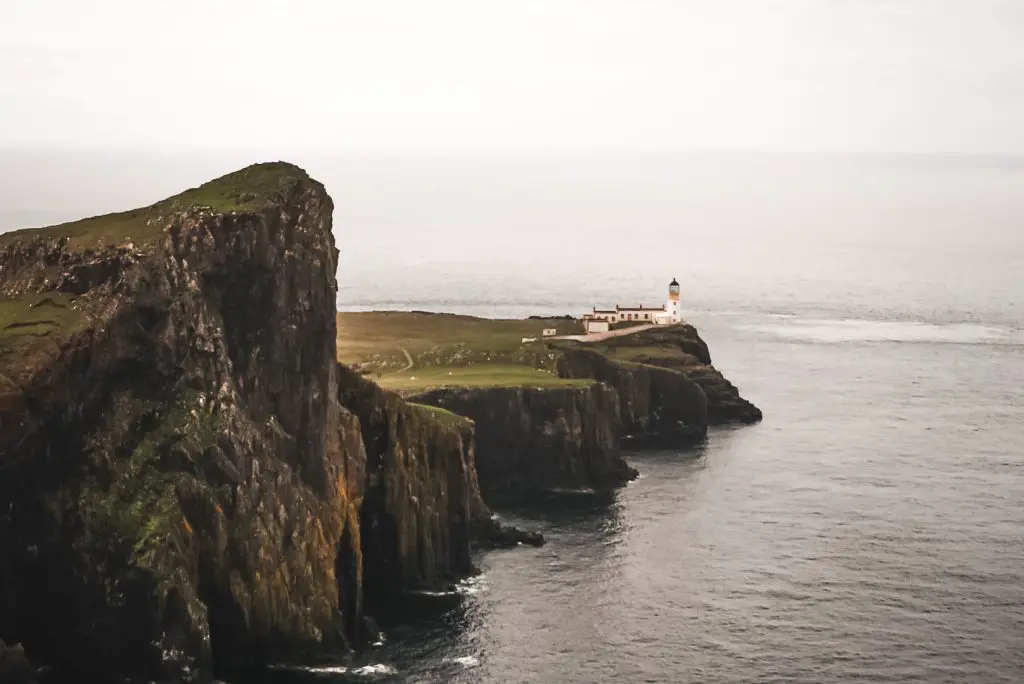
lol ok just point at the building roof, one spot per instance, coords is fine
(639, 308)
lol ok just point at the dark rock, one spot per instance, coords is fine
(653, 402)
(536, 439)
(369, 632)
(421, 492)
(218, 469)
(14, 665)
(176, 457)
(658, 383)
(490, 533)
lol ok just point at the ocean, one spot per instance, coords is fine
(870, 529)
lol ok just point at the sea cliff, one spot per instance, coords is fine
(186, 484)
(541, 437)
(551, 413)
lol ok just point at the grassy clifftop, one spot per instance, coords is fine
(416, 352)
(251, 189)
(677, 347)
(412, 352)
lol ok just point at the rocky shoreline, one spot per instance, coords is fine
(190, 481)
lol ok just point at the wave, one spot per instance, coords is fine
(584, 491)
(312, 669)
(466, 661)
(471, 586)
(375, 670)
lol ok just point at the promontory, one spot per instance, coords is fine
(191, 481)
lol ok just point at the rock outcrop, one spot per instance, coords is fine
(541, 438)
(420, 497)
(656, 405)
(181, 488)
(635, 363)
(422, 508)
(14, 666)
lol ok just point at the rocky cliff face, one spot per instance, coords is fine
(421, 494)
(180, 487)
(541, 438)
(636, 365)
(657, 405)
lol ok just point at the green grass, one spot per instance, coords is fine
(479, 376)
(668, 347)
(647, 354)
(251, 189)
(33, 328)
(139, 504)
(441, 415)
(377, 339)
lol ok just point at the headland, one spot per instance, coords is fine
(204, 467)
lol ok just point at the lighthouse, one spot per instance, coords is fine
(600, 320)
(672, 305)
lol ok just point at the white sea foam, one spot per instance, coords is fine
(471, 586)
(312, 669)
(466, 661)
(375, 670)
(565, 490)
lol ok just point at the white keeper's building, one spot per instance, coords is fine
(601, 320)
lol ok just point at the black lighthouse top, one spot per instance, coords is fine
(674, 283)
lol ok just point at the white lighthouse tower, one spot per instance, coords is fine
(672, 305)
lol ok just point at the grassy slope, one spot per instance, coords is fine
(661, 347)
(32, 330)
(35, 327)
(449, 350)
(482, 375)
(251, 189)
(443, 416)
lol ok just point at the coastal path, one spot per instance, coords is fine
(408, 360)
(597, 337)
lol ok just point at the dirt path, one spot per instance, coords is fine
(597, 337)
(408, 360)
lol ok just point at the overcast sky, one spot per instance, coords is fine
(917, 75)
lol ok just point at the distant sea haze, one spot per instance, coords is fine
(924, 238)
(868, 530)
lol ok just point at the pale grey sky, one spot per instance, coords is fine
(915, 75)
